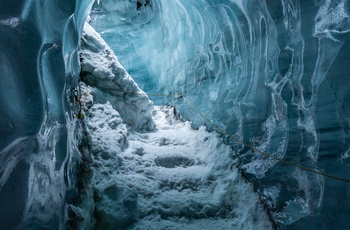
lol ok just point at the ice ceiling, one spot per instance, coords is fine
(271, 73)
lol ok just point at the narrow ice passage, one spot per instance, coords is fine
(150, 169)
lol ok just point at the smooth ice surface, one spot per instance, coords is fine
(38, 134)
(272, 73)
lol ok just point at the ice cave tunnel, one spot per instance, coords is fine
(183, 114)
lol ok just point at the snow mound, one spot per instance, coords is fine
(102, 70)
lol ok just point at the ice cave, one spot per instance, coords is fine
(183, 114)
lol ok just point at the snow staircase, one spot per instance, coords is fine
(175, 178)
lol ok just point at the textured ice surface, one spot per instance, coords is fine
(272, 73)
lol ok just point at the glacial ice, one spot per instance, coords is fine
(270, 73)
(38, 135)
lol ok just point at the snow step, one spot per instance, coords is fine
(172, 177)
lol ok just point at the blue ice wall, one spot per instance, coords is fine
(273, 74)
(38, 136)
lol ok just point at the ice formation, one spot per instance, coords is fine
(270, 73)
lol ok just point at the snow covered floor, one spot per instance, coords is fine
(172, 178)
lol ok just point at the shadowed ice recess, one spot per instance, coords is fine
(271, 73)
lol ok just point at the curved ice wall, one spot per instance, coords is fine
(38, 137)
(273, 74)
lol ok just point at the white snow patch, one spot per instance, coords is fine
(102, 70)
(172, 178)
(11, 22)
